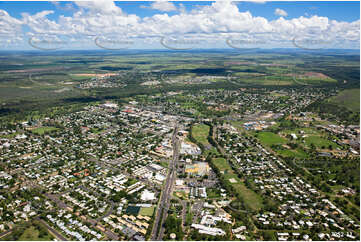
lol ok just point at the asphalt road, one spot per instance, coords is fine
(163, 207)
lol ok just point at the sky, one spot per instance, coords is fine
(179, 25)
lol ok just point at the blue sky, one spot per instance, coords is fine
(341, 11)
(337, 20)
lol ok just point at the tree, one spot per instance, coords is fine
(269, 235)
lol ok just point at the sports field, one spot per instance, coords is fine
(147, 211)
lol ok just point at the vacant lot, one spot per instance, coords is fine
(32, 234)
(221, 164)
(250, 198)
(200, 133)
(298, 153)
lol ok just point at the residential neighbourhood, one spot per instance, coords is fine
(100, 173)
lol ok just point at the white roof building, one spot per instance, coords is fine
(179, 182)
(159, 177)
(147, 195)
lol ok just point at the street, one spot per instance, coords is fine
(161, 213)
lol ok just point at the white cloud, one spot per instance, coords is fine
(163, 6)
(8, 24)
(216, 21)
(280, 12)
(66, 7)
(100, 6)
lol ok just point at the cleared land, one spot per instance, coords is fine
(221, 164)
(200, 133)
(32, 234)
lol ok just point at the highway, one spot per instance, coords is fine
(163, 207)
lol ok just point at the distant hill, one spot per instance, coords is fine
(349, 99)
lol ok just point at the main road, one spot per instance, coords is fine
(162, 210)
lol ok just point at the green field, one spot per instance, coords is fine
(298, 153)
(349, 99)
(269, 138)
(31, 232)
(221, 164)
(43, 130)
(147, 211)
(200, 133)
(251, 199)
(213, 193)
(320, 142)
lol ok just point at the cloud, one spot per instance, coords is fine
(39, 23)
(163, 6)
(8, 24)
(280, 12)
(216, 21)
(100, 6)
(65, 7)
